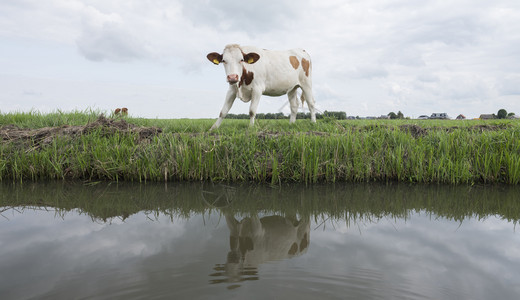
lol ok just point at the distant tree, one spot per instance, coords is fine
(338, 115)
(400, 115)
(300, 115)
(392, 115)
(510, 114)
(502, 114)
(279, 115)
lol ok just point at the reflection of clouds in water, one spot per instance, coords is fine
(423, 253)
(47, 256)
(42, 249)
(129, 238)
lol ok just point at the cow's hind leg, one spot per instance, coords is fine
(307, 95)
(293, 102)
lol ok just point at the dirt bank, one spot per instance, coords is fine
(43, 136)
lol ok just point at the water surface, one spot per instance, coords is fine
(214, 241)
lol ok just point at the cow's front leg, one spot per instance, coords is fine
(255, 99)
(230, 98)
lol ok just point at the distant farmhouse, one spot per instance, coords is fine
(443, 116)
(487, 116)
(461, 117)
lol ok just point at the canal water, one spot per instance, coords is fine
(218, 241)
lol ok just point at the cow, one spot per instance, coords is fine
(254, 241)
(252, 72)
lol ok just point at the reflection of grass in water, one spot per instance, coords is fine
(352, 203)
(272, 152)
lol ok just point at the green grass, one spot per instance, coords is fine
(271, 152)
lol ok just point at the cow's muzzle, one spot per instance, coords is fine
(232, 79)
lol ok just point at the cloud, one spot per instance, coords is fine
(110, 41)
(437, 52)
(509, 85)
(115, 35)
(254, 17)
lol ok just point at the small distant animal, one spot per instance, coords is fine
(252, 72)
(124, 111)
(117, 111)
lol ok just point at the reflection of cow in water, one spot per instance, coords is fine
(257, 240)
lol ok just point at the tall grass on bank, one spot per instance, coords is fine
(275, 152)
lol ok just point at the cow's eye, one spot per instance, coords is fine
(242, 60)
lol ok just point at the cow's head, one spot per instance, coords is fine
(233, 59)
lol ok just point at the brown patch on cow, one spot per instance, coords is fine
(306, 65)
(247, 77)
(304, 243)
(294, 62)
(293, 250)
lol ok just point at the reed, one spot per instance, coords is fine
(456, 152)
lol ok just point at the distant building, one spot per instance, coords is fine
(384, 117)
(423, 117)
(487, 116)
(461, 117)
(440, 116)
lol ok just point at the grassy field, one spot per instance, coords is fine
(271, 152)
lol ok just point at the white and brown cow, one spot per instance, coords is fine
(253, 72)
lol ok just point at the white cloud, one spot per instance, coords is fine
(442, 55)
(253, 17)
(110, 41)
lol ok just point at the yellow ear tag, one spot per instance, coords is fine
(215, 61)
(250, 60)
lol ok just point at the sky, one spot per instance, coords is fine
(370, 57)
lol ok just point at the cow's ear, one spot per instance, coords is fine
(251, 57)
(215, 58)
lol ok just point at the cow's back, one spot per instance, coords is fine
(277, 72)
